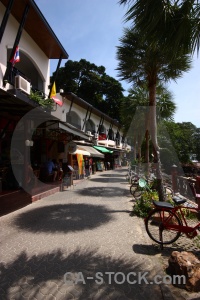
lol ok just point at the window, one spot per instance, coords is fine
(90, 126)
(73, 119)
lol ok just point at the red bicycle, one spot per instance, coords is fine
(166, 222)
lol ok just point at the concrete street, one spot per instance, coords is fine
(84, 230)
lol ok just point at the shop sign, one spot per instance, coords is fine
(71, 147)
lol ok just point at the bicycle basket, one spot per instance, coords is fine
(142, 182)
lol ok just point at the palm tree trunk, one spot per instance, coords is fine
(134, 149)
(147, 152)
(139, 148)
(153, 132)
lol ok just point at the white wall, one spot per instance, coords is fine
(27, 45)
(61, 111)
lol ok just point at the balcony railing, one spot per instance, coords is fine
(10, 78)
(14, 72)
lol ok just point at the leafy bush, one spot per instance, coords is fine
(188, 214)
(143, 205)
(37, 97)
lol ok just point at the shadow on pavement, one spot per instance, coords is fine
(63, 218)
(111, 175)
(155, 249)
(166, 252)
(107, 179)
(105, 192)
(42, 276)
(132, 200)
(146, 249)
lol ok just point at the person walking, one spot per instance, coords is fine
(87, 166)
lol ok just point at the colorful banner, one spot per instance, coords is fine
(102, 136)
(53, 95)
(80, 163)
(15, 57)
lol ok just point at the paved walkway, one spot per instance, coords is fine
(88, 232)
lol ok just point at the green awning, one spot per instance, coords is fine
(103, 149)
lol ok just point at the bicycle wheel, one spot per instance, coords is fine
(127, 176)
(133, 187)
(138, 192)
(134, 179)
(156, 229)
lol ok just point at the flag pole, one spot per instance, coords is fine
(17, 39)
(5, 18)
(55, 75)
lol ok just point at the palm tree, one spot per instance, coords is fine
(132, 107)
(142, 63)
(139, 96)
(176, 24)
(165, 104)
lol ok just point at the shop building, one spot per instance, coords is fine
(31, 130)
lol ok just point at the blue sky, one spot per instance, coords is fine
(91, 29)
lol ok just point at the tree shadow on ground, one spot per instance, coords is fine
(154, 249)
(167, 250)
(43, 277)
(111, 175)
(146, 249)
(103, 191)
(107, 179)
(121, 170)
(132, 200)
(63, 218)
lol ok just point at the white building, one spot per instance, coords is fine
(24, 26)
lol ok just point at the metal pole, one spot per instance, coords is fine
(5, 18)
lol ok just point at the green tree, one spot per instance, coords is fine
(197, 143)
(166, 107)
(92, 84)
(182, 136)
(144, 64)
(176, 24)
(139, 96)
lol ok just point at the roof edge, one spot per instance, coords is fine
(32, 2)
(116, 123)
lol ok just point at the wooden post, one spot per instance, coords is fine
(174, 173)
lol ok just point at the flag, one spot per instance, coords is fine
(53, 95)
(53, 90)
(15, 57)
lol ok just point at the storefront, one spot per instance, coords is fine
(84, 160)
(107, 163)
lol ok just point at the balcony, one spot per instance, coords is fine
(23, 85)
(118, 144)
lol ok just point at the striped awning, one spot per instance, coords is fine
(93, 152)
(103, 149)
(81, 151)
